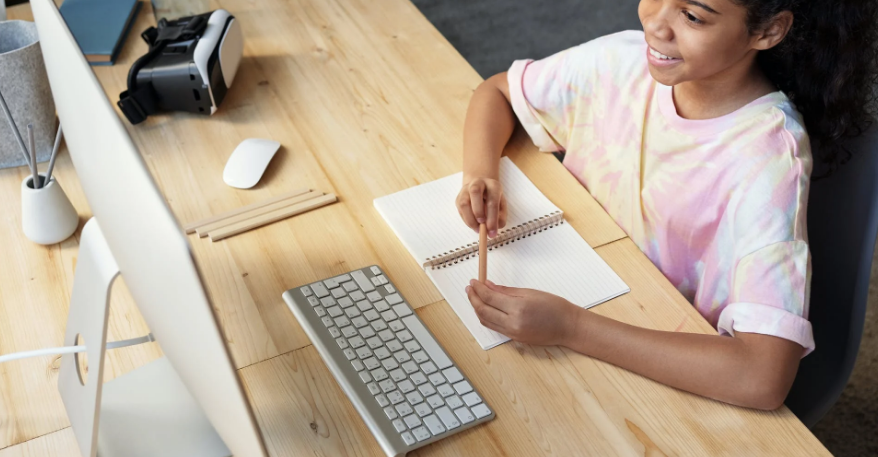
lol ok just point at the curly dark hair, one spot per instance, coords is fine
(826, 65)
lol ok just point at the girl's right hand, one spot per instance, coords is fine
(481, 200)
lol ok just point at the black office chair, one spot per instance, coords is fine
(842, 228)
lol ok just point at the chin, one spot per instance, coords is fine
(662, 77)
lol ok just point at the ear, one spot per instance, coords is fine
(774, 32)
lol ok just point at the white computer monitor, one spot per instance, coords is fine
(134, 227)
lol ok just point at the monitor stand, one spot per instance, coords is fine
(147, 412)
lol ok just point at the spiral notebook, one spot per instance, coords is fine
(535, 250)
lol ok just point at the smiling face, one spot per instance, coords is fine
(691, 40)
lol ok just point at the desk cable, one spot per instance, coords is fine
(74, 349)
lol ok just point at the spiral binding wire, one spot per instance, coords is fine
(505, 237)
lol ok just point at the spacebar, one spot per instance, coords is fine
(427, 341)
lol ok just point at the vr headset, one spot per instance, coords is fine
(190, 65)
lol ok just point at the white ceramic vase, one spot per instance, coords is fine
(47, 216)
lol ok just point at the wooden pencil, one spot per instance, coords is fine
(191, 228)
(273, 216)
(483, 253)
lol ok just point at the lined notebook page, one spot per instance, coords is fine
(425, 217)
(556, 260)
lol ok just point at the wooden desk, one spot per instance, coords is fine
(367, 99)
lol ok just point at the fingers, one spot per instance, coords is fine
(489, 316)
(477, 199)
(492, 297)
(493, 196)
(466, 211)
(501, 217)
(513, 291)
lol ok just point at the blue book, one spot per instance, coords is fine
(100, 26)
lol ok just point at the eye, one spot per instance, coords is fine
(691, 18)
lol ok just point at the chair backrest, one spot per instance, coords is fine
(842, 228)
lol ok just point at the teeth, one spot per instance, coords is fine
(659, 55)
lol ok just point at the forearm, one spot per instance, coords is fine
(489, 124)
(719, 367)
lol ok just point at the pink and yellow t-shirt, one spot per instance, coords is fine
(718, 205)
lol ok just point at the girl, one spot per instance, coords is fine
(692, 136)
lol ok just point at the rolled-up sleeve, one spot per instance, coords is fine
(770, 294)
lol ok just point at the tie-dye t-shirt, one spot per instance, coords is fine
(718, 205)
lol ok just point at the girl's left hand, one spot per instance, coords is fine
(525, 315)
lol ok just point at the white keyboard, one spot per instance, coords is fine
(404, 385)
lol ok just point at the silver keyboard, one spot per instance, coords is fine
(404, 385)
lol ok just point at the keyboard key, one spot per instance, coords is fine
(357, 296)
(313, 301)
(390, 364)
(319, 290)
(359, 321)
(436, 427)
(358, 365)
(364, 352)
(364, 305)
(397, 375)
(382, 353)
(388, 315)
(382, 400)
(406, 386)
(327, 321)
(448, 418)
(420, 356)
(435, 400)
(454, 401)
(306, 291)
(342, 278)
(428, 367)
(330, 283)
(395, 397)
(397, 326)
(404, 335)
(367, 332)
(481, 411)
(390, 412)
(412, 421)
(338, 293)
(371, 315)
(399, 425)
(335, 332)
(471, 399)
(427, 390)
(365, 377)
(357, 342)
(403, 409)
(375, 270)
(361, 280)
(464, 415)
(379, 374)
(342, 343)
(352, 312)
(436, 379)
(412, 346)
(463, 387)
(345, 302)
(374, 342)
(452, 374)
(414, 398)
(423, 409)
(341, 321)
(445, 390)
(408, 438)
(375, 281)
(373, 388)
(381, 306)
(382, 280)
(402, 356)
(389, 288)
(393, 299)
(410, 367)
(349, 286)
(387, 386)
(394, 345)
(373, 296)
(379, 325)
(350, 354)
(371, 363)
(349, 331)
(427, 342)
(421, 433)
(419, 378)
(402, 309)
(385, 335)
(328, 302)
(321, 311)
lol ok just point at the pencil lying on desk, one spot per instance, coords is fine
(193, 227)
(483, 253)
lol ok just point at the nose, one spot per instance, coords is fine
(655, 18)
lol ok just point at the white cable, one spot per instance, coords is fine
(73, 349)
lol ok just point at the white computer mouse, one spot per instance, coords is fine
(248, 161)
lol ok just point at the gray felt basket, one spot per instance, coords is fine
(25, 87)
